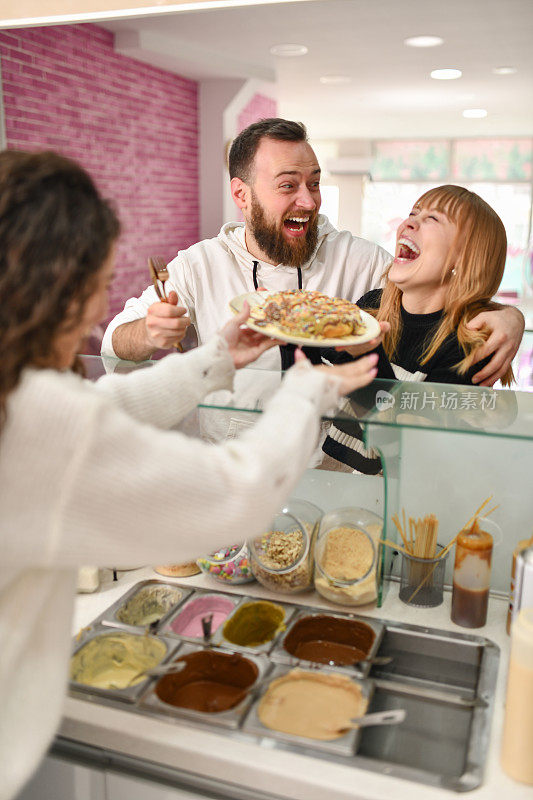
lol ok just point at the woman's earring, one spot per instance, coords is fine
(453, 270)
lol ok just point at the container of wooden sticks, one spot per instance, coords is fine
(423, 563)
(422, 580)
(423, 560)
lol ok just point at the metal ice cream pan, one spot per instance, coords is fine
(229, 719)
(361, 669)
(130, 693)
(110, 615)
(219, 640)
(344, 746)
(185, 622)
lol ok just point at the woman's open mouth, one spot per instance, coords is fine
(406, 251)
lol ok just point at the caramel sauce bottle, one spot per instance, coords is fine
(471, 577)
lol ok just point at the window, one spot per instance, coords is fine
(499, 170)
(330, 203)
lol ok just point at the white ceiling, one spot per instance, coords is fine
(391, 93)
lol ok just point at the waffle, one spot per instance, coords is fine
(310, 315)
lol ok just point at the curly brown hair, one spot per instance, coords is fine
(56, 232)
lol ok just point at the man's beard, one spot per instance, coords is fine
(270, 238)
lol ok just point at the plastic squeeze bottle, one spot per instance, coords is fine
(517, 745)
(471, 577)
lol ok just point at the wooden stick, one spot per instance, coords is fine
(472, 518)
(398, 525)
(470, 522)
(395, 546)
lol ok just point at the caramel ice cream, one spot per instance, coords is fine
(310, 704)
(111, 661)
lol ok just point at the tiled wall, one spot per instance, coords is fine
(132, 126)
(258, 107)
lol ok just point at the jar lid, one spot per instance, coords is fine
(345, 554)
(284, 546)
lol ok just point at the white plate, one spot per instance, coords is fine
(258, 298)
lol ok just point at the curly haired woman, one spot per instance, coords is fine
(88, 470)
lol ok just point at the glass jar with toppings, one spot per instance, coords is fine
(282, 557)
(229, 564)
(346, 556)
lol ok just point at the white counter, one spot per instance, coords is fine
(286, 774)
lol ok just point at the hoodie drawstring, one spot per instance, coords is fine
(256, 284)
(287, 350)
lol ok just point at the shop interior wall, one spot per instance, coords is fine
(134, 127)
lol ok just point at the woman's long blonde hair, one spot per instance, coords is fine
(478, 265)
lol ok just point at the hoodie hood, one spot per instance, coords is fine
(231, 237)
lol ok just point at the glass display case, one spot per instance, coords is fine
(444, 450)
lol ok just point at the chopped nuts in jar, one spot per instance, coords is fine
(277, 550)
(282, 549)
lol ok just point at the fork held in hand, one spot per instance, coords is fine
(158, 266)
(159, 272)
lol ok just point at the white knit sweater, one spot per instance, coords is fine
(88, 474)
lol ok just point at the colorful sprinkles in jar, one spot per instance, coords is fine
(229, 564)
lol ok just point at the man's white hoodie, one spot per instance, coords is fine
(210, 273)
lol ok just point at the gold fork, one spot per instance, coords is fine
(158, 266)
(159, 272)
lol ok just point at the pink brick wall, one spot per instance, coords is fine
(132, 126)
(258, 107)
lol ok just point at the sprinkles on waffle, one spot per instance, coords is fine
(309, 314)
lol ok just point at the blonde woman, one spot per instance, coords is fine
(449, 262)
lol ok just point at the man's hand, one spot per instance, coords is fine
(506, 327)
(357, 350)
(244, 344)
(166, 323)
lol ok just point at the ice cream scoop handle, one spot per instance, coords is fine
(392, 717)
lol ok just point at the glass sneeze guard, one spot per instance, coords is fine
(444, 449)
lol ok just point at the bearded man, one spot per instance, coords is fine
(283, 244)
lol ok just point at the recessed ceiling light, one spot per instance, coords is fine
(475, 113)
(288, 50)
(504, 70)
(423, 41)
(335, 79)
(446, 74)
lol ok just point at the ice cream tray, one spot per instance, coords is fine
(444, 680)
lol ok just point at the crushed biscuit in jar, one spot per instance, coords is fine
(346, 557)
